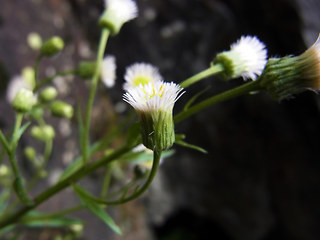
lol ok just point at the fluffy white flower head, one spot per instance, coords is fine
(253, 54)
(108, 71)
(153, 96)
(141, 73)
(123, 10)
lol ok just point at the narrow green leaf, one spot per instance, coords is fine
(4, 196)
(95, 208)
(19, 133)
(188, 145)
(51, 222)
(7, 229)
(194, 98)
(5, 142)
(21, 191)
(73, 167)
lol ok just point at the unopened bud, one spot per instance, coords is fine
(48, 94)
(28, 76)
(86, 69)
(52, 46)
(30, 153)
(34, 41)
(43, 133)
(61, 109)
(23, 101)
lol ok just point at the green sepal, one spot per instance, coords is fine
(95, 208)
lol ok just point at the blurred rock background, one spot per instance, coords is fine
(260, 179)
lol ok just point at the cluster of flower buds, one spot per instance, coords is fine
(153, 99)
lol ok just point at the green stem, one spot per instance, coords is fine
(85, 170)
(49, 79)
(12, 155)
(94, 83)
(51, 215)
(235, 92)
(214, 69)
(138, 192)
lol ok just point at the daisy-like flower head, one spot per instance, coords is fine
(246, 58)
(287, 76)
(141, 73)
(117, 13)
(108, 71)
(154, 104)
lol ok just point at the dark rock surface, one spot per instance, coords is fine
(260, 179)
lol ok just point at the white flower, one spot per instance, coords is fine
(141, 73)
(253, 53)
(153, 96)
(246, 58)
(108, 71)
(154, 104)
(117, 13)
(17, 83)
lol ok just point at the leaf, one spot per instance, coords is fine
(4, 196)
(21, 191)
(73, 167)
(19, 134)
(95, 208)
(194, 98)
(5, 142)
(188, 145)
(7, 229)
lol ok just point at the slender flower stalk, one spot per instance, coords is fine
(141, 73)
(92, 93)
(246, 58)
(154, 104)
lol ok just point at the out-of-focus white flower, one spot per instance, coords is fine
(108, 71)
(141, 73)
(246, 58)
(154, 104)
(15, 84)
(117, 13)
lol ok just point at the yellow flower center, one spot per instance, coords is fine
(141, 80)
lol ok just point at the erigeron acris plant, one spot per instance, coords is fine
(153, 100)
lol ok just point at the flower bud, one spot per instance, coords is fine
(48, 94)
(117, 13)
(23, 101)
(43, 133)
(86, 69)
(34, 41)
(61, 109)
(28, 76)
(52, 46)
(30, 153)
(287, 76)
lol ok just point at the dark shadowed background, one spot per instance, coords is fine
(261, 177)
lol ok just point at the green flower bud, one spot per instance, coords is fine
(23, 101)
(52, 46)
(61, 109)
(287, 76)
(43, 133)
(86, 69)
(28, 76)
(30, 153)
(48, 94)
(35, 41)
